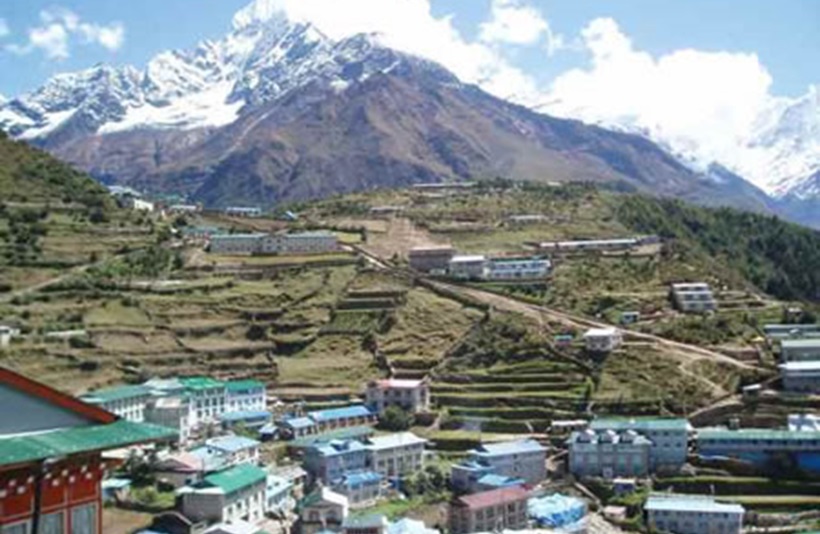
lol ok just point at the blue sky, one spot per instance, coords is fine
(784, 34)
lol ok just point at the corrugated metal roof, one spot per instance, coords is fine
(756, 434)
(499, 481)
(242, 385)
(347, 412)
(339, 447)
(508, 447)
(232, 443)
(365, 521)
(236, 478)
(77, 440)
(391, 441)
(246, 415)
(116, 393)
(639, 423)
(299, 422)
(494, 497)
(690, 503)
(355, 480)
(201, 382)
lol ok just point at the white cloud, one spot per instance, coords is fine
(59, 25)
(703, 101)
(407, 25)
(4, 28)
(515, 22)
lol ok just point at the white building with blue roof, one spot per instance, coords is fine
(362, 488)
(329, 462)
(693, 514)
(521, 459)
(235, 449)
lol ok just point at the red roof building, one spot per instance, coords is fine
(51, 466)
(490, 511)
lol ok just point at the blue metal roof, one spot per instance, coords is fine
(508, 447)
(361, 478)
(347, 412)
(246, 415)
(640, 423)
(499, 481)
(231, 443)
(299, 422)
(338, 447)
(690, 503)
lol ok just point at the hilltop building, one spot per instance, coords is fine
(693, 297)
(412, 396)
(235, 494)
(467, 267)
(602, 339)
(500, 269)
(801, 376)
(323, 510)
(800, 350)
(427, 259)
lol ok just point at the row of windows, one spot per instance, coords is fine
(83, 520)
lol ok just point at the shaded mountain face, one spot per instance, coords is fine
(278, 112)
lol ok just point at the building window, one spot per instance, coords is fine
(53, 523)
(23, 527)
(84, 519)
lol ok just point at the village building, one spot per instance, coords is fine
(362, 488)
(776, 332)
(596, 245)
(800, 350)
(7, 333)
(801, 377)
(412, 396)
(467, 267)
(245, 395)
(247, 420)
(692, 514)
(51, 466)
(243, 211)
(490, 511)
(207, 398)
(235, 449)
(237, 493)
(393, 455)
(602, 339)
(410, 526)
(517, 268)
(804, 422)
(183, 209)
(128, 402)
(761, 447)
(278, 495)
(329, 462)
(693, 297)
(234, 527)
(524, 459)
(337, 418)
(322, 510)
(320, 242)
(608, 454)
(669, 437)
(630, 317)
(236, 244)
(186, 468)
(137, 204)
(297, 427)
(365, 524)
(171, 412)
(427, 259)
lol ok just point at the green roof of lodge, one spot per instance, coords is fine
(240, 385)
(201, 382)
(236, 478)
(639, 423)
(116, 393)
(121, 433)
(756, 434)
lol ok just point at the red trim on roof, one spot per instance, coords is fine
(494, 497)
(58, 398)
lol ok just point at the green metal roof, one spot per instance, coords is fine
(77, 440)
(753, 434)
(240, 385)
(116, 393)
(639, 423)
(236, 478)
(201, 382)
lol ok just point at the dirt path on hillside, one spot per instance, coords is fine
(400, 237)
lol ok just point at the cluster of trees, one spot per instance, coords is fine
(22, 237)
(778, 257)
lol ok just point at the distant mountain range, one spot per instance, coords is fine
(276, 111)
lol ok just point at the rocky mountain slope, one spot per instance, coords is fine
(277, 111)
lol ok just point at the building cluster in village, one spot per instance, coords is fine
(798, 348)
(445, 260)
